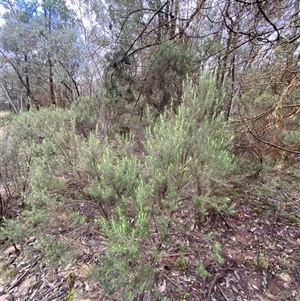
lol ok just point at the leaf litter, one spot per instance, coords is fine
(260, 251)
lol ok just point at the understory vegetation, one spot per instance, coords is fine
(146, 189)
(149, 188)
(152, 148)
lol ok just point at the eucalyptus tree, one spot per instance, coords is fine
(16, 49)
(61, 49)
(40, 46)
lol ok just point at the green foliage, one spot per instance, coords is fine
(260, 261)
(56, 252)
(170, 61)
(190, 151)
(185, 155)
(54, 163)
(168, 67)
(124, 268)
(13, 229)
(41, 44)
(205, 205)
(113, 177)
(42, 146)
(202, 271)
(216, 253)
(78, 217)
(17, 152)
(71, 294)
(180, 263)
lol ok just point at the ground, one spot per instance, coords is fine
(260, 247)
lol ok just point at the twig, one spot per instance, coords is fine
(176, 284)
(225, 220)
(222, 292)
(172, 281)
(15, 247)
(52, 289)
(21, 278)
(218, 276)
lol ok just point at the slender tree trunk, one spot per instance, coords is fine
(51, 81)
(8, 97)
(27, 84)
(48, 18)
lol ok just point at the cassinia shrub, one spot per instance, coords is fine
(187, 154)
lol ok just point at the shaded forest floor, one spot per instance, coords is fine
(260, 247)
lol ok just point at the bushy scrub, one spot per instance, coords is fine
(117, 183)
(186, 155)
(126, 267)
(190, 153)
(15, 157)
(117, 177)
(40, 152)
(144, 199)
(112, 175)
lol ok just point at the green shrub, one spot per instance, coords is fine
(190, 153)
(41, 151)
(113, 176)
(145, 200)
(187, 155)
(125, 268)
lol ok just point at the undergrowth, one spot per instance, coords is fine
(146, 199)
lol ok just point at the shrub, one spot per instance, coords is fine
(169, 188)
(41, 151)
(190, 153)
(114, 177)
(186, 156)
